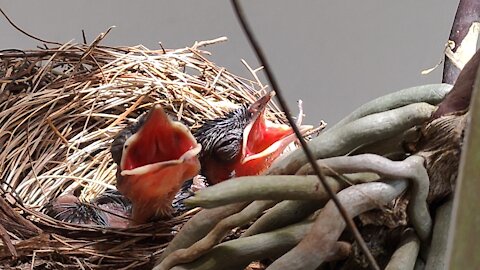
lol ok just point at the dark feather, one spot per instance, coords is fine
(76, 212)
(222, 138)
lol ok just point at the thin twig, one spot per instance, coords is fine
(24, 32)
(84, 37)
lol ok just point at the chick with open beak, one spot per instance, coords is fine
(154, 157)
(243, 142)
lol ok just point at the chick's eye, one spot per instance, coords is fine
(228, 149)
(226, 142)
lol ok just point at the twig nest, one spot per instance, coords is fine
(61, 108)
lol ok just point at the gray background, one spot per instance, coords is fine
(335, 55)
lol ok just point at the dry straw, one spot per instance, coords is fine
(60, 108)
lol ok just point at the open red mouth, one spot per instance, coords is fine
(264, 141)
(155, 162)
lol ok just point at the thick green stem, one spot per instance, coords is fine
(276, 187)
(199, 226)
(411, 168)
(390, 147)
(238, 253)
(289, 212)
(437, 255)
(362, 131)
(430, 93)
(202, 246)
(281, 215)
(329, 225)
(405, 256)
(419, 264)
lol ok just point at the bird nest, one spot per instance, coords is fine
(61, 106)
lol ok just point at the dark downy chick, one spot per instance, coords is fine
(243, 142)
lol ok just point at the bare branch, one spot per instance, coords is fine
(463, 37)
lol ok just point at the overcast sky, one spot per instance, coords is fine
(335, 55)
